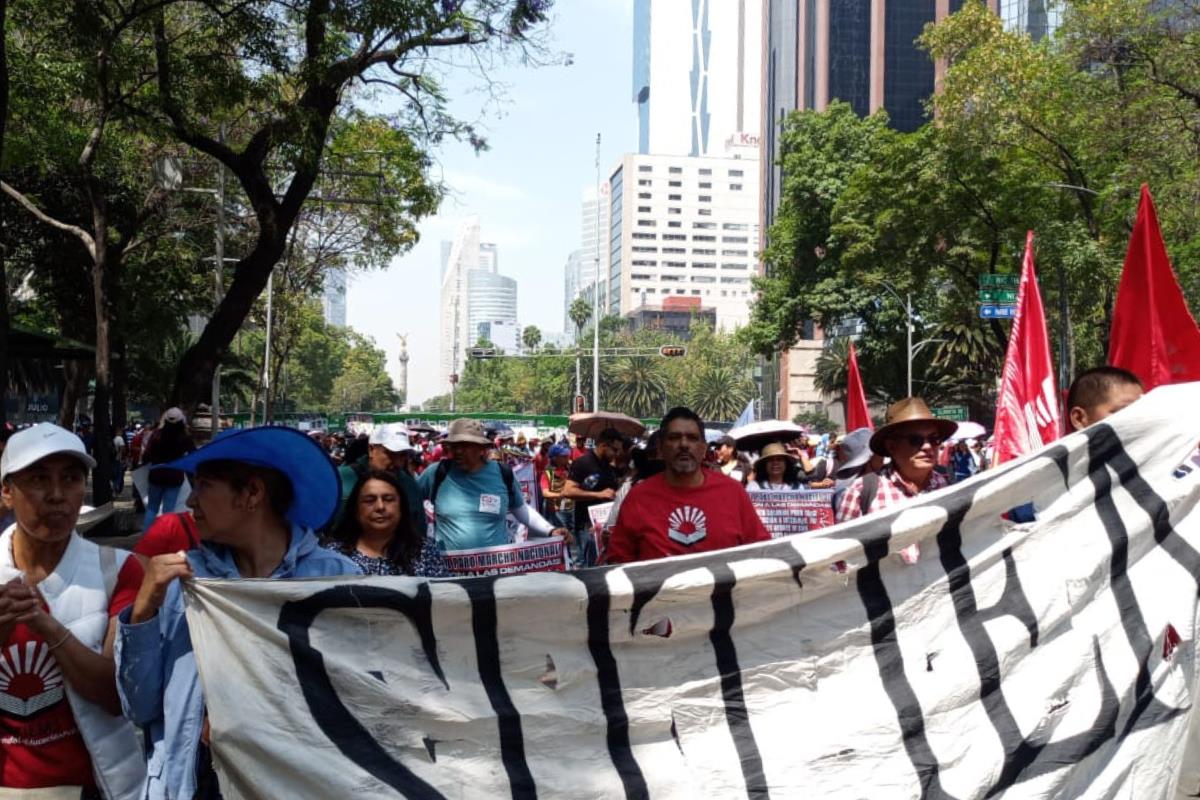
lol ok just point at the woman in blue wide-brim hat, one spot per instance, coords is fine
(257, 496)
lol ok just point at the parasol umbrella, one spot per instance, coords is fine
(421, 427)
(758, 435)
(969, 430)
(590, 425)
(498, 429)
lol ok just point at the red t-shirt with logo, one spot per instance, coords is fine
(657, 520)
(42, 745)
(169, 533)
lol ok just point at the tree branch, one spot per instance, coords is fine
(42, 216)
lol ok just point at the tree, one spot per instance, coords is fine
(634, 385)
(719, 393)
(531, 337)
(364, 384)
(580, 311)
(309, 58)
(820, 152)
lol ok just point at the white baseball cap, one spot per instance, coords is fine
(26, 448)
(394, 438)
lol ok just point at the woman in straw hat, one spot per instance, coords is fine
(776, 470)
(257, 496)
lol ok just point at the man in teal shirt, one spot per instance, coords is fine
(472, 496)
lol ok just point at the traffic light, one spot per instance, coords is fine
(672, 350)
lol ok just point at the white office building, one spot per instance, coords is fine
(684, 227)
(473, 293)
(505, 335)
(334, 297)
(696, 74)
(572, 280)
(492, 300)
(1038, 18)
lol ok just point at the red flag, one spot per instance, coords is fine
(1153, 334)
(857, 415)
(1027, 410)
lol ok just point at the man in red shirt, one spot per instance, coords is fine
(686, 508)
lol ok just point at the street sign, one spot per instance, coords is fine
(953, 412)
(998, 296)
(994, 279)
(997, 312)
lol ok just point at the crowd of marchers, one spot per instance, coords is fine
(99, 693)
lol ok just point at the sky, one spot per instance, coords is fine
(526, 189)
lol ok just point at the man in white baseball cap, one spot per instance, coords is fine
(389, 449)
(60, 715)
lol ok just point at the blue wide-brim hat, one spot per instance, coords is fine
(316, 488)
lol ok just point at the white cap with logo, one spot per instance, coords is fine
(393, 437)
(26, 448)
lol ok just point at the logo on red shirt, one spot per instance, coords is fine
(29, 682)
(687, 525)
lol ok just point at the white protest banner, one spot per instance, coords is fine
(527, 479)
(533, 555)
(1055, 659)
(787, 513)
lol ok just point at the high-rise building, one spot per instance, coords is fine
(864, 53)
(473, 292)
(491, 298)
(683, 226)
(504, 334)
(459, 259)
(1038, 18)
(571, 287)
(696, 74)
(334, 297)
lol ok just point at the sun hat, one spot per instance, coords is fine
(27, 447)
(855, 451)
(775, 450)
(904, 413)
(316, 488)
(393, 438)
(469, 431)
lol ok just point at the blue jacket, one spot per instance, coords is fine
(156, 668)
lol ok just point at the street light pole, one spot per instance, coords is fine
(909, 350)
(600, 239)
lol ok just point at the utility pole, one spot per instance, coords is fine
(908, 320)
(600, 239)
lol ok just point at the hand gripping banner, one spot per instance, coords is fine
(1047, 660)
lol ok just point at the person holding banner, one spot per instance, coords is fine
(257, 495)
(472, 495)
(686, 508)
(1098, 393)
(378, 532)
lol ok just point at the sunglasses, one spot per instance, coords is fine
(916, 441)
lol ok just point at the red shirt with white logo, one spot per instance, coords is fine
(41, 743)
(658, 520)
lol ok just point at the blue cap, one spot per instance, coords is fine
(559, 450)
(316, 489)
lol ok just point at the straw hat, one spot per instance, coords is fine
(903, 414)
(773, 450)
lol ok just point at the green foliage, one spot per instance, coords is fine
(580, 311)
(815, 421)
(531, 337)
(1053, 136)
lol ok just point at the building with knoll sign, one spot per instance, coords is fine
(861, 52)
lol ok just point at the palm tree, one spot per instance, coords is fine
(833, 368)
(635, 386)
(719, 393)
(579, 312)
(531, 337)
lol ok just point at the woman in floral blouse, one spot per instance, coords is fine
(377, 532)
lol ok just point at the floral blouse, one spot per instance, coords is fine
(429, 562)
